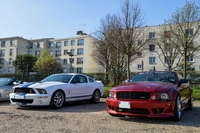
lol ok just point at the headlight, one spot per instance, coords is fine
(110, 94)
(42, 91)
(163, 96)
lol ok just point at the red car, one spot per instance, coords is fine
(151, 94)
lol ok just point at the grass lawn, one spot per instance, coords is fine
(196, 92)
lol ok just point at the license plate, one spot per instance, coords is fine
(125, 105)
(20, 96)
(20, 104)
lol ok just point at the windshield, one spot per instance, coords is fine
(154, 76)
(6, 81)
(58, 77)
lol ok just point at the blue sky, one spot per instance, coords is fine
(34, 19)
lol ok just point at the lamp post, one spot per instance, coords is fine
(70, 60)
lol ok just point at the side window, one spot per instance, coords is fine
(83, 79)
(91, 80)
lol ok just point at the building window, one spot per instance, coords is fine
(139, 42)
(73, 51)
(190, 58)
(10, 60)
(79, 60)
(139, 66)
(11, 52)
(72, 42)
(152, 60)
(152, 35)
(37, 52)
(80, 51)
(30, 45)
(30, 52)
(80, 41)
(1, 61)
(189, 32)
(167, 59)
(59, 61)
(51, 45)
(66, 43)
(79, 70)
(65, 52)
(152, 47)
(58, 44)
(64, 61)
(12, 43)
(3, 43)
(51, 52)
(9, 69)
(38, 44)
(58, 52)
(139, 54)
(2, 52)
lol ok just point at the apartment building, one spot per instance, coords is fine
(74, 53)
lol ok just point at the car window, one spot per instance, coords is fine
(6, 81)
(58, 78)
(83, 79)
(91, 80)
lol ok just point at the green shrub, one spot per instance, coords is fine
(196, 93)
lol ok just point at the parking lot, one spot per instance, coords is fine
(86, 117)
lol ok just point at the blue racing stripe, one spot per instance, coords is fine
(25, 85)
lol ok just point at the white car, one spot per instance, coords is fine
(57, 89)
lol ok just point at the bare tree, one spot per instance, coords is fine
(184, 27)
(129, 31)
(166, 48)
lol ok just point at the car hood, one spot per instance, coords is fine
(144, 86)
(6, 87)
(40, 84)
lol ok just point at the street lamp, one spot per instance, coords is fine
(70, 60)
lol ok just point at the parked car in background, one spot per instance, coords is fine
(151, 94)
(6, 85)
(57, 89)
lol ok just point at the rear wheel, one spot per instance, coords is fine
(96, 97)
(177, 109)
(57, 99)
(190, 103)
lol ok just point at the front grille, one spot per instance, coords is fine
(135, 111)
(22, 100)
(133, 95)
(24, 90)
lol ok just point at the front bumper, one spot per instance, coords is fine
(30, 99)
(149, 108)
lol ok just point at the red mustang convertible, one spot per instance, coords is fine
(151, 94)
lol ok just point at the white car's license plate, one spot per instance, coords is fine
(125, 105)
(20, 96)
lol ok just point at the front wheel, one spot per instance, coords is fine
(57, 99)
(177, 109)
(96, 97)
(190, 103)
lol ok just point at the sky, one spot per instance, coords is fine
(36, 19)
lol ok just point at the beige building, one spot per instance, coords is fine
(74, 53)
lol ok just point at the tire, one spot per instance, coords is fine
(57, 99)
(177, 109)
(96, 97)
(190, 103)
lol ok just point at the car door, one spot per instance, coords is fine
(79, 89)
